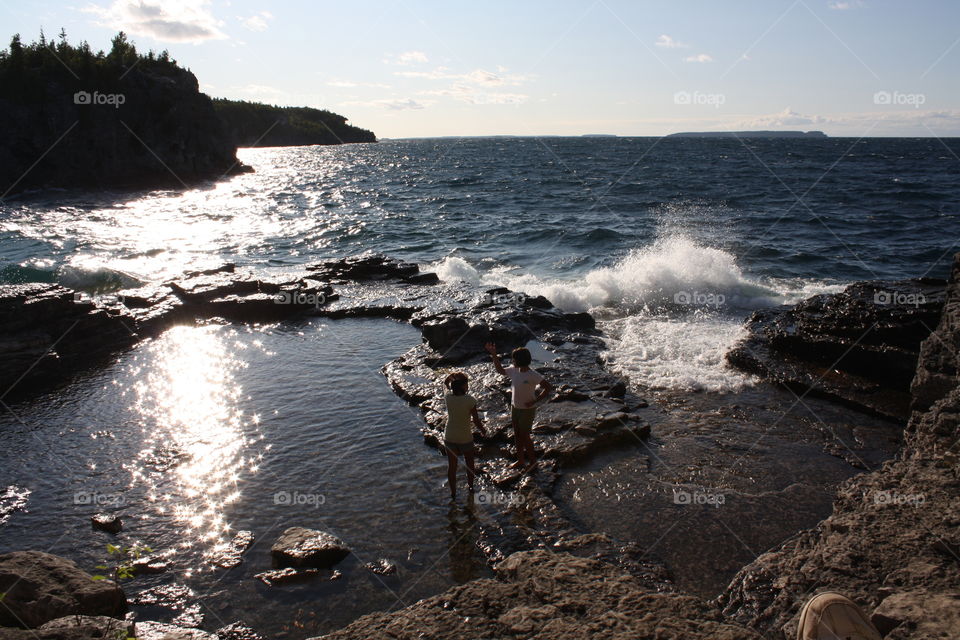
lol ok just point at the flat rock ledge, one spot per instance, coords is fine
(556, 596)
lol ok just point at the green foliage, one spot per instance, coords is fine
(123, 562)
(263, 125)
(28, 71)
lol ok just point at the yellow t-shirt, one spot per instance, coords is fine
(458, 428)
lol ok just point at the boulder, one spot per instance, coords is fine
(302, 547)
(40, 587)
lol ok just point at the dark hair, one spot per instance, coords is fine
(521, 357)
(457, 383)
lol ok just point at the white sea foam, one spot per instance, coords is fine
(671, 310)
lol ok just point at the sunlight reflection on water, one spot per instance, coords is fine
(188, 406)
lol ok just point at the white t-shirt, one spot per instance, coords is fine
(524, 385)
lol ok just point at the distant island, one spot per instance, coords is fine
(748, 134)
(78, 118)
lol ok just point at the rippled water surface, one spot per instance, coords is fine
(669, 243)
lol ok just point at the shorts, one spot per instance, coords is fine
(458, 448)
(523, 418)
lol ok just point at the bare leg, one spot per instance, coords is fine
(521, 459)
(528, 448)
(452, 472)
(471, 472)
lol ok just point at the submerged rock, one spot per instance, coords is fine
(229, 554)
(382, 567)
(111, 523)
(302, 547)
(39, 587)
(286, 575)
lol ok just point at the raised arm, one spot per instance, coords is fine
(492, 350)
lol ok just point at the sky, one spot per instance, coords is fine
(417, 68)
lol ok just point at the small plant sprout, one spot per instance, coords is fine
(122, 566)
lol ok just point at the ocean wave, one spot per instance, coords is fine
(674, 270)
(95, 280)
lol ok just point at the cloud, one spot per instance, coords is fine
(910, 122)
(471, 95)
(391, 104)
(256, 22)
(786, 118)
(165, 20)
(839, 5)
(349, 84)
(669, 43)
(406, 58)
(700, 57)
(477, 76)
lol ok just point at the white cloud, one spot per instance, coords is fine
(166, 20)
(786, 118)
(669, 43)
(700, 57)
(406, 58)
(843, 5)
(477, 76)
(256, 22)
(472, 95)
(391, 104)
(349, 84)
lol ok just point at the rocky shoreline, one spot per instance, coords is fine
(552, 581)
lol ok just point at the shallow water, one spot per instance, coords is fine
(207, 431)
(725, 477)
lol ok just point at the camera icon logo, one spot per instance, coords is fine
(682, 97)
(82, 97)
(882, 97)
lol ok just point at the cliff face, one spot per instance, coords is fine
(147, 126)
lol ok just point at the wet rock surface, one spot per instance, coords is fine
(40, 587)
(891, 542)
(229, 554)
(860, 346)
